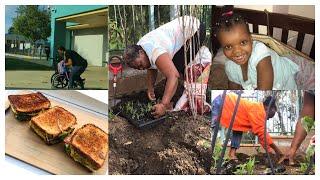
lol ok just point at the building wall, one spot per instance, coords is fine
(300, 10)
(90, 44)
(60, 36)
(67, 10)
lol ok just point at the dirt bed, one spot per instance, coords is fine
(173, 147)
(262, 164)
(180, 145)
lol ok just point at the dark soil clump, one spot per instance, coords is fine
(262, 164)
(174, 147)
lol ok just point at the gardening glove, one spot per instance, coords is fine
(159, 110)
(151, 94)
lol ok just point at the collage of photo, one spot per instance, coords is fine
(160, 89)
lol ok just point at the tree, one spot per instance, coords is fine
(32, 23)
(127, 24)
(11, 30)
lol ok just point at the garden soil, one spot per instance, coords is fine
(180, 145)
(173, 147)
(262, 164)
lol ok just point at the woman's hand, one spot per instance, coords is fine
(151, 95)
(159, 110)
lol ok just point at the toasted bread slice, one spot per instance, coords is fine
(54, 124)
(28, 105)
(88, 146)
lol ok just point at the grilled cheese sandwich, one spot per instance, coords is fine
(26, 106)
(53, 125)
(88, 146)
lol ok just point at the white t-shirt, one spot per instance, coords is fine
(168, 38)
(283, 68)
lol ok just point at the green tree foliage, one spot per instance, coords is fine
(11, 30)
(32, 22)
(127, 24)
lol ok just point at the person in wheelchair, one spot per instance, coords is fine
(62, 68)
(77, 65)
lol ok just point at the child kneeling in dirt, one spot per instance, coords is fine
(250, 116)
(251, 64)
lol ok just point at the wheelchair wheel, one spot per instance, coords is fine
(59, 81)
(53, 76)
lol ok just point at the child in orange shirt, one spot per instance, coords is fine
(250, 117)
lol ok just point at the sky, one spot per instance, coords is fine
(10, 14)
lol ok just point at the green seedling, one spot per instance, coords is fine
(149, 107)
(137, 110)
(111, 115)
(246, 168)
(309, 153)
(307, 123)
(303, 167)
(216, 154)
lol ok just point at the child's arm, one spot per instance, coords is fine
(265, 74)
(276, 149)
(234, 86)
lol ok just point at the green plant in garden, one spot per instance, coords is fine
(149, 107)
(246, 168)
(307, 123)
(129, 107)
(303, 167)
(206, 144)
(216, 154)
(309, 153)
(111, 115)
(137, 110)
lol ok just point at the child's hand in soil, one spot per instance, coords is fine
(287, 157)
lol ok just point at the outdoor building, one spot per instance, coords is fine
(82, 28)
(16, 43)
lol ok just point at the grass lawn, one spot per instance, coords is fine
(20, 64)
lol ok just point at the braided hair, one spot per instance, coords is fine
(228, 20)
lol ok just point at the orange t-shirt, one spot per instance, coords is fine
(250, 117)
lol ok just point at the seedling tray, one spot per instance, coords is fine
(138, 113)
(145, 123)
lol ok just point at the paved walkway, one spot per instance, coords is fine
(96, 77)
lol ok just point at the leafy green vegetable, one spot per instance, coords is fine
(216, 154)
(307, 123)
(246, 168)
